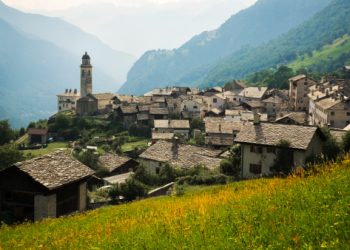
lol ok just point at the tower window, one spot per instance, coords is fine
(83, 73)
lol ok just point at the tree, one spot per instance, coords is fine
(132, 189)
(9, 155)
(232, 165)
(6, 133)
(197, 123)
(330, 149)
(346, 142)
(284, 157)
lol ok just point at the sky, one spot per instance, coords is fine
(63, 4)
(162, 24)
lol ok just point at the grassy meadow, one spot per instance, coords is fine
(299, 212)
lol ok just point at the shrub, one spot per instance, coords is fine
(132, 189)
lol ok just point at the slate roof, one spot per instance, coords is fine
(221, 126)
(126, 110)
(118, 179)
(274, 99)
(299, 117)
(159, 111)
(113, 161)
(180, 155)
(104, 96)
(270, 134)
(253, 92)
(55, 170)
(174, 124)
(297, 78)
(162, 136)
(37, 131)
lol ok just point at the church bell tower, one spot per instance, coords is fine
(86, 76)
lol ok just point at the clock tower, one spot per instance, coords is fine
(85, 76)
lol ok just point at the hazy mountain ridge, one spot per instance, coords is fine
(32, 73)
(271, 19)
(65, 35)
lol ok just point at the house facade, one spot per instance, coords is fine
(260, 141)
(67, 101)
(298, 91)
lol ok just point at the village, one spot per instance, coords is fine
(189, 135)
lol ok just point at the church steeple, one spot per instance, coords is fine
(85, 76)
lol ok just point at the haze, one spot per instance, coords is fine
(135, 26)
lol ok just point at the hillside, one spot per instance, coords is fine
(326, 26)
(115, 64)
(32, 73)
(297, 212)
(264, 21)
(328, 59)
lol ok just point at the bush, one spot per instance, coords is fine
(9, 155)
(210, 179)
(132, 189)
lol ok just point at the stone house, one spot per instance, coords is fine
(212, 91)
(259, 142)
(48, 186)
(117, 164)
(215, 101)
(128, 114)
(178, 155)
(67, 101)
(158, 114)
(298, 91)
(180, 128)
(192, 107)
(252, 93)
(220, 132)
(274, 105)
(38, 135)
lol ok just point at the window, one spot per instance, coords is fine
(348, 113)
(256, 149)
(215, 100)
(157, 170)
(255, 169)
(347, 122)
(271, 150)
(332, 113)
(195, 107)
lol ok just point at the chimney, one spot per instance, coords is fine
(313, 92)
(75, 91)
(327, 92)
(220, 128)
(175, 147)
(132, 98)
(70, 90)
(66, 91)
(256, 118)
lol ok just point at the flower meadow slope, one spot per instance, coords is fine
(296, 212)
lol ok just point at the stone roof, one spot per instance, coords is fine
(159, 111)
(174, 124)
(113, 161)
(274, 99)
(253, 92)
(143, 108)
(37, 131)
(55, 170)
(158, 99)
(180, 155)
(297, 78)
(221, 126)
(298, 117)
(118, 179)
(162, 136)
(104, 96)
(270, 134)
(328, 103)
(254, 103)
(128, 109)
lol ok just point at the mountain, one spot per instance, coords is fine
(69, 37)
(264, 21)
(332, 23)
(165, 25)
(32, 73)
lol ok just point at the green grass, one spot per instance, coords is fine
(129, 146)
(329, 53)
(294, 213)
(50, 148)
